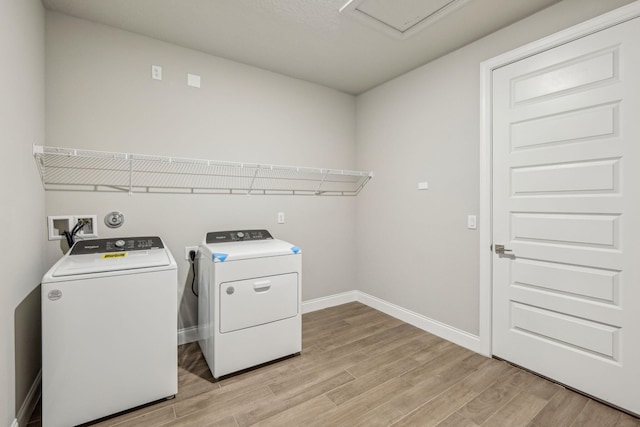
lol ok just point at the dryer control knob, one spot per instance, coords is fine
(240, 234)
(120, 243)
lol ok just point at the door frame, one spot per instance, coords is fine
(610, 19)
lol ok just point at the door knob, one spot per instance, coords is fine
(501, 250)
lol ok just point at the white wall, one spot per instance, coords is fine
(22, 252)
(414, 248)
(100, 96)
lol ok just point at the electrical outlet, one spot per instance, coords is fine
(90, 228)
(280, 217)
(156, 72)
(188, 249)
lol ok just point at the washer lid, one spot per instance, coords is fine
(233, 251)
(72, 265)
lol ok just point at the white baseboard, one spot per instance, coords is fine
(29, 403)
(329, 301)
(187, 335)
(449, 333)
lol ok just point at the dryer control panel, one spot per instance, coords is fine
(237, 236)
(98, 246)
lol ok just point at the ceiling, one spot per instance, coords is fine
(310, 39)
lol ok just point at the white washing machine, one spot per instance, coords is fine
(109, 329)
(249, 299)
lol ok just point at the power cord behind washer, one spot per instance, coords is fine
(192, 258)
(71, 235)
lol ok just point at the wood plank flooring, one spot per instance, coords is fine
(360, 367)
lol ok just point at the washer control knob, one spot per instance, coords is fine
(120, 243)
(240, 234)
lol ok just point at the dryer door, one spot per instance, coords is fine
(253, 302)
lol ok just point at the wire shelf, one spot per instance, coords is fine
(87, 170)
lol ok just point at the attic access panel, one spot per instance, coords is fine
(400, 18)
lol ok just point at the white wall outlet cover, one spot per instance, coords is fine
(423, 185)
(188, 249)
(193, 80)
(156, 72)
(280, 217)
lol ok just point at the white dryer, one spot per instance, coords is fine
(109, 329)
(249, 299)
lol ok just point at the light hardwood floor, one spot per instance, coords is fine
(360, 367)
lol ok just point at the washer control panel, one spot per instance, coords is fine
(99, 246)
(237, 236)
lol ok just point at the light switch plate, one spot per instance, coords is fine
(472, 222)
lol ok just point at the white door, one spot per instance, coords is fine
(566, 202)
